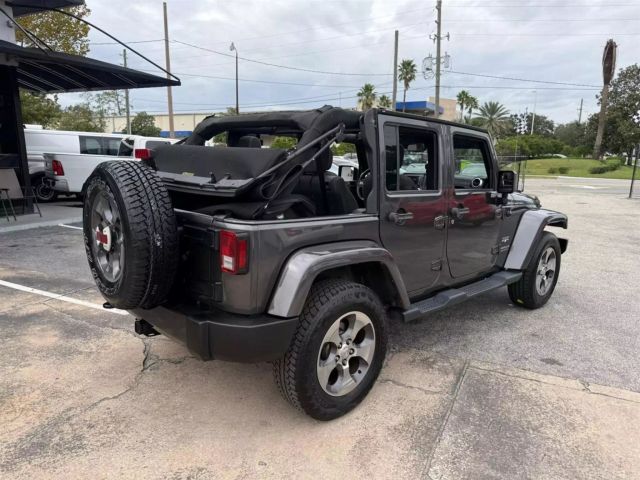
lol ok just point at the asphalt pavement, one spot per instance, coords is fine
(482, 390)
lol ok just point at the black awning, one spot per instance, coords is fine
(52, 72)
(26, 7)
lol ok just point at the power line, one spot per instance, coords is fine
(285, 66)
(250, 80)
(133, 41)
(523, 79)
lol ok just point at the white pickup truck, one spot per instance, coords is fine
(67, 172)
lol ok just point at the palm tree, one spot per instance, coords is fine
(367, 96)
(406, 74)
(466, 100)
(384, 101)
(494, 117)
(473, 103)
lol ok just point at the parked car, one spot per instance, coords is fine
(68, 172)
(250, 254)
(39, 141)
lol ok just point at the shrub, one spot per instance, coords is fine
(552, 170)
(563, 170)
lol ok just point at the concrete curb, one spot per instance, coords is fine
(29, 226)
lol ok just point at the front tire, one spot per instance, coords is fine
(337, 351)
(539, 279)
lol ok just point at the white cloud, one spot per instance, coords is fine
(559, 41)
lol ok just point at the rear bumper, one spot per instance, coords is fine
(59, 185)
(223, 336)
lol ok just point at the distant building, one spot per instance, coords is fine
(184, 123)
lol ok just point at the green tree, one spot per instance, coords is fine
(145, 125)
(532, 146)
(541, 126)
(384, 102)
(108, 103)
(284, 142)
(406, 74)
(62, 33)
(40, 109)
(494, 117)
(620, 132)
(466, 101)
(340, 149)
(572, 134)
(81, 118)
(367, 96)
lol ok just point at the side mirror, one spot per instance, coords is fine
(507, 181)
(347, 173)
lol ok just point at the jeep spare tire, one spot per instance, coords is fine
(130, 234)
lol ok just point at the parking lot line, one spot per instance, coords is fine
(69, 226)
(63, 298)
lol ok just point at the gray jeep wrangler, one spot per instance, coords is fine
(248, 253)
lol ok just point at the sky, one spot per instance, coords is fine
(330, 48)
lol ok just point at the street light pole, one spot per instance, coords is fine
(438, 37)
(234, 49)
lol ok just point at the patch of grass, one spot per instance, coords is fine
(577, 167)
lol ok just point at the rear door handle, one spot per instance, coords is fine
(459, 212)
(400, 218)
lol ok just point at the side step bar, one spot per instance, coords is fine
(446, 298)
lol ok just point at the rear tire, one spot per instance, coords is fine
(325, 372)
(130, 234)
(539, 279)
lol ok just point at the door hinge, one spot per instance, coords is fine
(436, 265)
(440, 222)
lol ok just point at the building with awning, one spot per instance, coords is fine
(44, 71)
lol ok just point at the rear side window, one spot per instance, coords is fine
(472, 163)
(110, 145)
(410, 159)
(91, 145)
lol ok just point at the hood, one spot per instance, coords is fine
(519, 198)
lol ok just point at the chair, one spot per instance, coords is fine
(11, 190)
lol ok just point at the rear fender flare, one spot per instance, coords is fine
(304, 266)
(528, 234)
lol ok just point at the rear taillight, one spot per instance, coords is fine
(142, 153)
(56, 165)
(234, 252)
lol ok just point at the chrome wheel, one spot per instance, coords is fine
(108, 242)
(546, 272)
(346, 353)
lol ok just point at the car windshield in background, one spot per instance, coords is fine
(476, 169)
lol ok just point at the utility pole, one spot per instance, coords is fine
(126, 96)
(172, 133)
(580, 111)
(438, 38)
(533, 118)
(395, 72)
(234, 49)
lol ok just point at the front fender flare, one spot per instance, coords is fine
(528, 234)
(306, 264)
